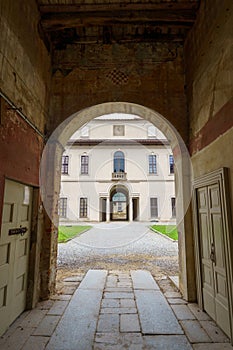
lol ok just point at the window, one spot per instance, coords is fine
(173, 203)
(119, 162)
(83, 208)
(171, 164)
(152, 164)
(84, 164)
(154, 207)
(62, 209)
(65, 164)
(118, 130)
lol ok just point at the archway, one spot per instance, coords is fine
(50, 184)
(119, 202)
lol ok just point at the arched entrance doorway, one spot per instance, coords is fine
(50, 185)
(119, 204)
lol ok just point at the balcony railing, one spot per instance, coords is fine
(119, 176)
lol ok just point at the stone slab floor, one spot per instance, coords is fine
(110, 310)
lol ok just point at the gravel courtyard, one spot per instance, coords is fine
(121, 246)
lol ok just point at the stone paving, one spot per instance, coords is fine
(113, 310)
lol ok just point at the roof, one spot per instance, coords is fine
(127, 142)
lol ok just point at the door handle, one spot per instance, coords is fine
(212, 253)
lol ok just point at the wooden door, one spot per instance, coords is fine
(212, 255)
(14, 251)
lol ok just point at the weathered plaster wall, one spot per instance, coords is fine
(24, 81)
(24, 60)
(150, 74)
(209, 67)
(209, 76)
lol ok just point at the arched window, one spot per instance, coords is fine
(119, 162)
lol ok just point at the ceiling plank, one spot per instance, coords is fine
(60, 21)
(177, 6)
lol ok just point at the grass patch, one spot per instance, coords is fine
(167, 230)
(65, 233)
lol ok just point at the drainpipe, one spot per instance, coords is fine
(22, 115)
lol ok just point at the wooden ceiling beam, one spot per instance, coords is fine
(60, 21)
(164, 6)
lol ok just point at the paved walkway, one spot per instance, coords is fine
(114, 310)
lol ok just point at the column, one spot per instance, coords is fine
(108, 210)
(130, 209)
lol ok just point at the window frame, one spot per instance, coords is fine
(84, 166)
(83, 207)
(120, 161)
(65, 165)
(156, 207)
(173, 207)
(62, 207)
(171, 164)
(152, 166)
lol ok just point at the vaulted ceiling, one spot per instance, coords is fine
(85, 21)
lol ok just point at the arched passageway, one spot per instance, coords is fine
(51, 171)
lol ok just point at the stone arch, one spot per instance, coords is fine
(51, 171)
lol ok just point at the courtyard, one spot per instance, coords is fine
(119, 245)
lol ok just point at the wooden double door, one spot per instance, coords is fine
(214, 252)
(14, 251)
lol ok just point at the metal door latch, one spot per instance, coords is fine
(17, 231)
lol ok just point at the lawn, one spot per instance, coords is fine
(65, 233)
(168, 230)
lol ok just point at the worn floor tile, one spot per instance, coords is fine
(36, 343)
(118, 310)
(119, 295)
(172, 295)
(214, 332)
(45, 305)
(177, 301)
(109, 338)
(108, 323)
(194, 332)
(182, 312)
(16, 324)
(198, 313)
(110, 303)
(168, 342)
(143, 280)
(156, 316)
(61, 297)
(58, 307)
(94, 279)
(211, 346)
(77, 327)
(127, 303)
(34, 317)
(17, 339)
(47, 326)
(129, 323)
(118, 289)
